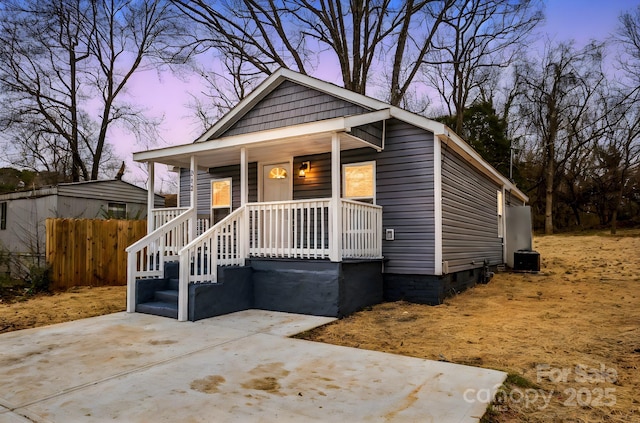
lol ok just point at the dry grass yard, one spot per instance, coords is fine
(569, 337)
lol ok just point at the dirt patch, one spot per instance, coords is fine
(75, 303)
(208, 385)
(568, 336)
(268, 378)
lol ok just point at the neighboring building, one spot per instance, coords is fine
(23, 214)
(324, 201)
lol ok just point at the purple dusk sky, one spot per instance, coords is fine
(165, 95)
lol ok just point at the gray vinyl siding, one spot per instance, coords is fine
(25, 233)
(371, 133)
(404, 185)
(204, 186)
(469, 216)
(292, 104)
(404, 173)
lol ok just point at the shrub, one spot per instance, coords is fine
(39, 278)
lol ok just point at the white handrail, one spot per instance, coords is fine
(146, 257)
(199, 260)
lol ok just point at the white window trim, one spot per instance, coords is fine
(230, 206)
(344, 180)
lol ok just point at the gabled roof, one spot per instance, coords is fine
(444, 133)
(66, 187)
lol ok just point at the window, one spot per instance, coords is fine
(359, 181)
(220, 199)
(3, 216)
(278, 173)
(117, 210)
(500, 208)
(221, 194)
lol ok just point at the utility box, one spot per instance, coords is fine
(526, 261)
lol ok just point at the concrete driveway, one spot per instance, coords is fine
(235, 368)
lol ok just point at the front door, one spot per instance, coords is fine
(276, 182)
(274, 221)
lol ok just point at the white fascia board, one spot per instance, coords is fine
(340, 124)
(314, 128)
(246, 103)
(332, 89)
(366, 118)
(271, 82)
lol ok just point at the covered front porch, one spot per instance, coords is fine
(277, 224)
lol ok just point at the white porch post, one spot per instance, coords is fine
(244, 199)
(335, 246)
(183, 291)
(193, 189)
(151, 187)
(244, 177)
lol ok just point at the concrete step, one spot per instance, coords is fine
(167, 296)
(158, 308)
(173, 284)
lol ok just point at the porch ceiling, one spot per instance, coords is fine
(266, 146)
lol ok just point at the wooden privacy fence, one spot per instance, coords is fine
(90, 252)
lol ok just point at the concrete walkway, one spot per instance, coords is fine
(235, 368)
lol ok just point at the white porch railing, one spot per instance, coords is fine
(162, 216)
(199, 260)
(147, 256)
(289, 229)
(361, 230)
(283, 229)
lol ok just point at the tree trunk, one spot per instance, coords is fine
(550, 173)
(614, 213)
(614, 221)
(548, 208)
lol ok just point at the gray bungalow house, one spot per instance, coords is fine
(23, 213)
(309, 198)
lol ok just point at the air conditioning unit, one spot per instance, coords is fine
(526, 261)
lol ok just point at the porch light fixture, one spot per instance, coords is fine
(304, 168)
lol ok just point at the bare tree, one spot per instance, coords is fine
(66, 65)
(360, 35)
(559, 104)
(618, 152)
(628, 37)
(476, 38)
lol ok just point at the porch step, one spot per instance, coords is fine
(173, 284)
(164, 301)
(159, 308)
(167, 296)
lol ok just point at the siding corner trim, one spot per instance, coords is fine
(437, 204)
